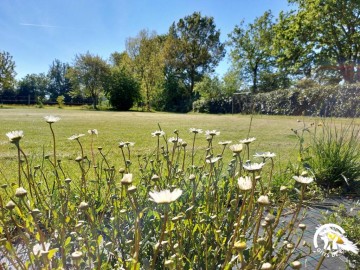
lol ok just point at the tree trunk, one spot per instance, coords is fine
(255, 71)
(347, 72)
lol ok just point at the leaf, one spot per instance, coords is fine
(37, 236)
(67, 219)
(52, 253)
(67, 241)
(100, 240)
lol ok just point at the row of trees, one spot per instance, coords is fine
(315, 43)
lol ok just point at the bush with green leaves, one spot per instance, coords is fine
(122, 89)
(178, 207)
(334, 101)
(333, 155)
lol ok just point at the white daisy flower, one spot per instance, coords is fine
(225, 142)
(236, 148)
(15, 136)
(51, 119)
(75, 137)
(245, 183)
(248, 140)
(126, 144)
(93, 132)
(158, 133)
(165, 196)
(196, 130)
(212, 160)
(127, 179)
(263, 200)
(253, 167)
(39, 249)
(265, 155)
(175, 140)
(303, 180)
(336, 242)
(212, 132)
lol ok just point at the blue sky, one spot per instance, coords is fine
(36, 32)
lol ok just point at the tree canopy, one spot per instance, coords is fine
(87, 76)
(7, 71)
(194, 48)
(251, 47)
(323, 35)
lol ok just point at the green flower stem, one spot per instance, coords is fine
(183, 161)
(124, 158)
(259, 216)
(137, 237)
(297, 211)
(193, 150)
(162, 234)
(237, 229)
(54, 144)
(19, 164)
(271, 173)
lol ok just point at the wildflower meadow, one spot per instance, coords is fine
(192, 197)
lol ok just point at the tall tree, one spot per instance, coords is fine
(330, 31)
(87, 76)
(145, 51)
(209, 88)
(33, 88)
(59, 84)
(231, 82)
(7, 71)
(194, 48)
(251, 49)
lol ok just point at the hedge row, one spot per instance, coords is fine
(335, 101)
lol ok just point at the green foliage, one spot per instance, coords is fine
(122, 89)
(7, 71)
(334, 155)
(321, 33)
(250, 52)
(147, 62)
(59, 84)
(87, 76)
(61, 101)
(32, 87)
(194, 48)
(335, 101)
(174, 97)
(218, 105)
(209, 88)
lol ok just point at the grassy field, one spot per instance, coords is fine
(273, 133)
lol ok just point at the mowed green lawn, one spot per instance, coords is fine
(273, 133)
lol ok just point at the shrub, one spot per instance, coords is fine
(61, 101)
(334, 155)
(122, 89)
(335, 101)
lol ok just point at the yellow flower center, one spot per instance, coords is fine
(335, 237)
